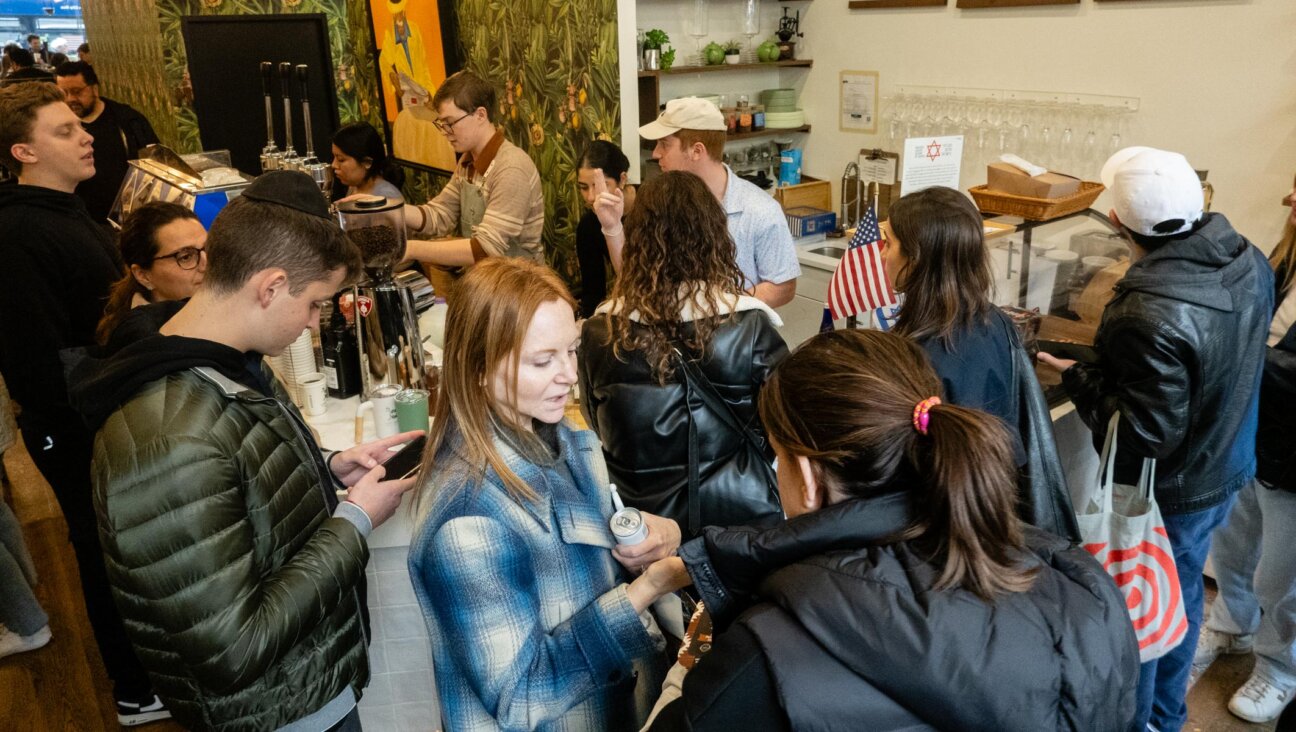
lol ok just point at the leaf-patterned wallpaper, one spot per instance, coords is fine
(554, 63)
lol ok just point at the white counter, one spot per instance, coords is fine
(402, 692)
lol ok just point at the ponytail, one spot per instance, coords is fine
(965, 465)
(119, 304)
(862, 406)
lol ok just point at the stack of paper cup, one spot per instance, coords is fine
(295, 363)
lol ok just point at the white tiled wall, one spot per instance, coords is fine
(401, 696)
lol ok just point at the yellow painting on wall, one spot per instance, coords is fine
(411, 65)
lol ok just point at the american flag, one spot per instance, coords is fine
(860, 284)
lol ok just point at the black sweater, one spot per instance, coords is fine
(58, 268)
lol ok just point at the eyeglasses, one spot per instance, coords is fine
(185, 257)
(445, 127)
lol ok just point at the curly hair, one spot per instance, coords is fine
(678, 252)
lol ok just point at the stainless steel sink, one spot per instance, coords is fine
(834, 252)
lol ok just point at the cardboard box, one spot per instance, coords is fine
(1007, 178)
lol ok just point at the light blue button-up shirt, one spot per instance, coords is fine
(762, 240)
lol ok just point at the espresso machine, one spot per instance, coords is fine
(385, 306)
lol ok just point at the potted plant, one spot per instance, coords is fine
(667, 58)
(733, 52)
(654, 40)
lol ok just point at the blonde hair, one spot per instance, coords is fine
(490, 310)
(1283, 258)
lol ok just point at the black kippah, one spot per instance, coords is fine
(291, 188)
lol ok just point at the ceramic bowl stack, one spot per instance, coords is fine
(781, 111)
(295, 362)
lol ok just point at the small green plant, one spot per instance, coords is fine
(732, 48)
(655, 38)
(667, 59)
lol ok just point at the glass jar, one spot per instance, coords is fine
(758, 117)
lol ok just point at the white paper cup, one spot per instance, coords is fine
(314, 389)
(382, 402)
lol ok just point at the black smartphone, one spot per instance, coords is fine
(407, 460)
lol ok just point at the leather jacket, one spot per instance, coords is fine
(644, 426)
(1276, 439)
(1180, 353)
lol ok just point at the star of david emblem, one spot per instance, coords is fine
(933, 151)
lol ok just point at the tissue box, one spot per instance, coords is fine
(807, 220)
(1007, 178)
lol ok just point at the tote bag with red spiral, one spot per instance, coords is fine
(1122, 527)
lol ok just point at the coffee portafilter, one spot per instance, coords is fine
(391, 351)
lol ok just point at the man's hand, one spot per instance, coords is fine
(377, 497)
(663, 540)
(351, 465)
(1053, 362)
(661, 578)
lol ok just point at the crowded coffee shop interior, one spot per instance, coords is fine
(647, 364)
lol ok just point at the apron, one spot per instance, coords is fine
(472, 208)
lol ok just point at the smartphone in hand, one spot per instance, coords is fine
(407, 461)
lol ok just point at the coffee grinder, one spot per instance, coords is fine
(391, 351)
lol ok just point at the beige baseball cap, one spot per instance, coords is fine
(687, 113)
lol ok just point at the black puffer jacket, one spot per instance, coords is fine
(644, 426)
(852, 636)
(1180, 351)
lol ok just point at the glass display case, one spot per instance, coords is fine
(203, 182)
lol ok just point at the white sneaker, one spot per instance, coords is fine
(1211, 644)
(141, 711)
(11, 642)
(1259, 700)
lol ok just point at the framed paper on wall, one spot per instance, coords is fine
(858, 101)
(417, 49)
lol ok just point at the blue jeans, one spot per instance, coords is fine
(1163, 683)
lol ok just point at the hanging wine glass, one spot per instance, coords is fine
(697, 26)
(751, 25)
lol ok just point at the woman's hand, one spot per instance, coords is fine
(351, 465)
(608, 206)
(661, 578)
(663, 541)
(1059, 364)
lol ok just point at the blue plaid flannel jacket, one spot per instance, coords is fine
(530, 624)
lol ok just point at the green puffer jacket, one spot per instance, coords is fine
(237, 588)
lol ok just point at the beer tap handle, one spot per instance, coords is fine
(309, 143)
(285, 77)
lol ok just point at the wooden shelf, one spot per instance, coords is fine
(736, 136)
(791, 63)
(731, 137)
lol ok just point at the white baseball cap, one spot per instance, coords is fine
(687, 113)
(1157, 193)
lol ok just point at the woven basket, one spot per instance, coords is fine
(1035, 209)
